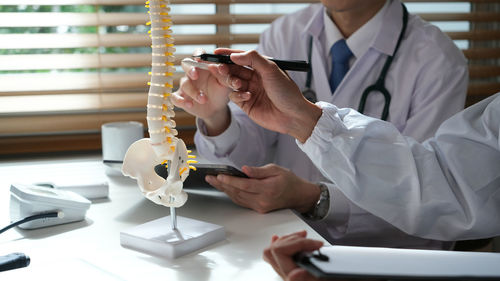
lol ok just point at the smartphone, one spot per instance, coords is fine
(196, 178)
(215, 169)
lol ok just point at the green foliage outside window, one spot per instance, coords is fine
(74, 30)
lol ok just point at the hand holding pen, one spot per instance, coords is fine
(204, 93)
(268, 95)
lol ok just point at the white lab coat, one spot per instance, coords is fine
(427, 79)
(447, 188)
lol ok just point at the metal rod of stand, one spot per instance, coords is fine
(173, 218)
(173, 215)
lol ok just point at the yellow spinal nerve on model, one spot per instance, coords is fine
(163, 147)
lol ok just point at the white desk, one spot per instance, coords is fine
(90, 249)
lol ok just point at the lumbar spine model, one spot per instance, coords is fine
(163, 147)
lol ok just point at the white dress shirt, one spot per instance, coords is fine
(447, 188)
(427, 79)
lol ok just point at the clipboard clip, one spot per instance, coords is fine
(305, 257)
(320, 256)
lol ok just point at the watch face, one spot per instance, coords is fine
(323, 203)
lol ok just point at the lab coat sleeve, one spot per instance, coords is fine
(447, 188)
(243, 142)
(440, 88)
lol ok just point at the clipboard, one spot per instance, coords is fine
(387, 263)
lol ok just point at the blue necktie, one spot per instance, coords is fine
(340, 63)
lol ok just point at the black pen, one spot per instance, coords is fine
(292, 65)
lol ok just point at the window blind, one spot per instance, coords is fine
(68, 66)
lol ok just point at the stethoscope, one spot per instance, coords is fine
(379, 85)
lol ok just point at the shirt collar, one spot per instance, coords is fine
(361, 40)
(384, 38)
(331, 33)
(371, 34)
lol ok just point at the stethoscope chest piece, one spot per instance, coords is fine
(310, 95)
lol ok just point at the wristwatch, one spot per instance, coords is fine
(321, 209)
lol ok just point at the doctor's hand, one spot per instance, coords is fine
(281, 251)
(268, 188)
(204, 93)
(269, 96)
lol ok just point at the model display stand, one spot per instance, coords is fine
(159, 239)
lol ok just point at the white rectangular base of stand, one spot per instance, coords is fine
(157, 237)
